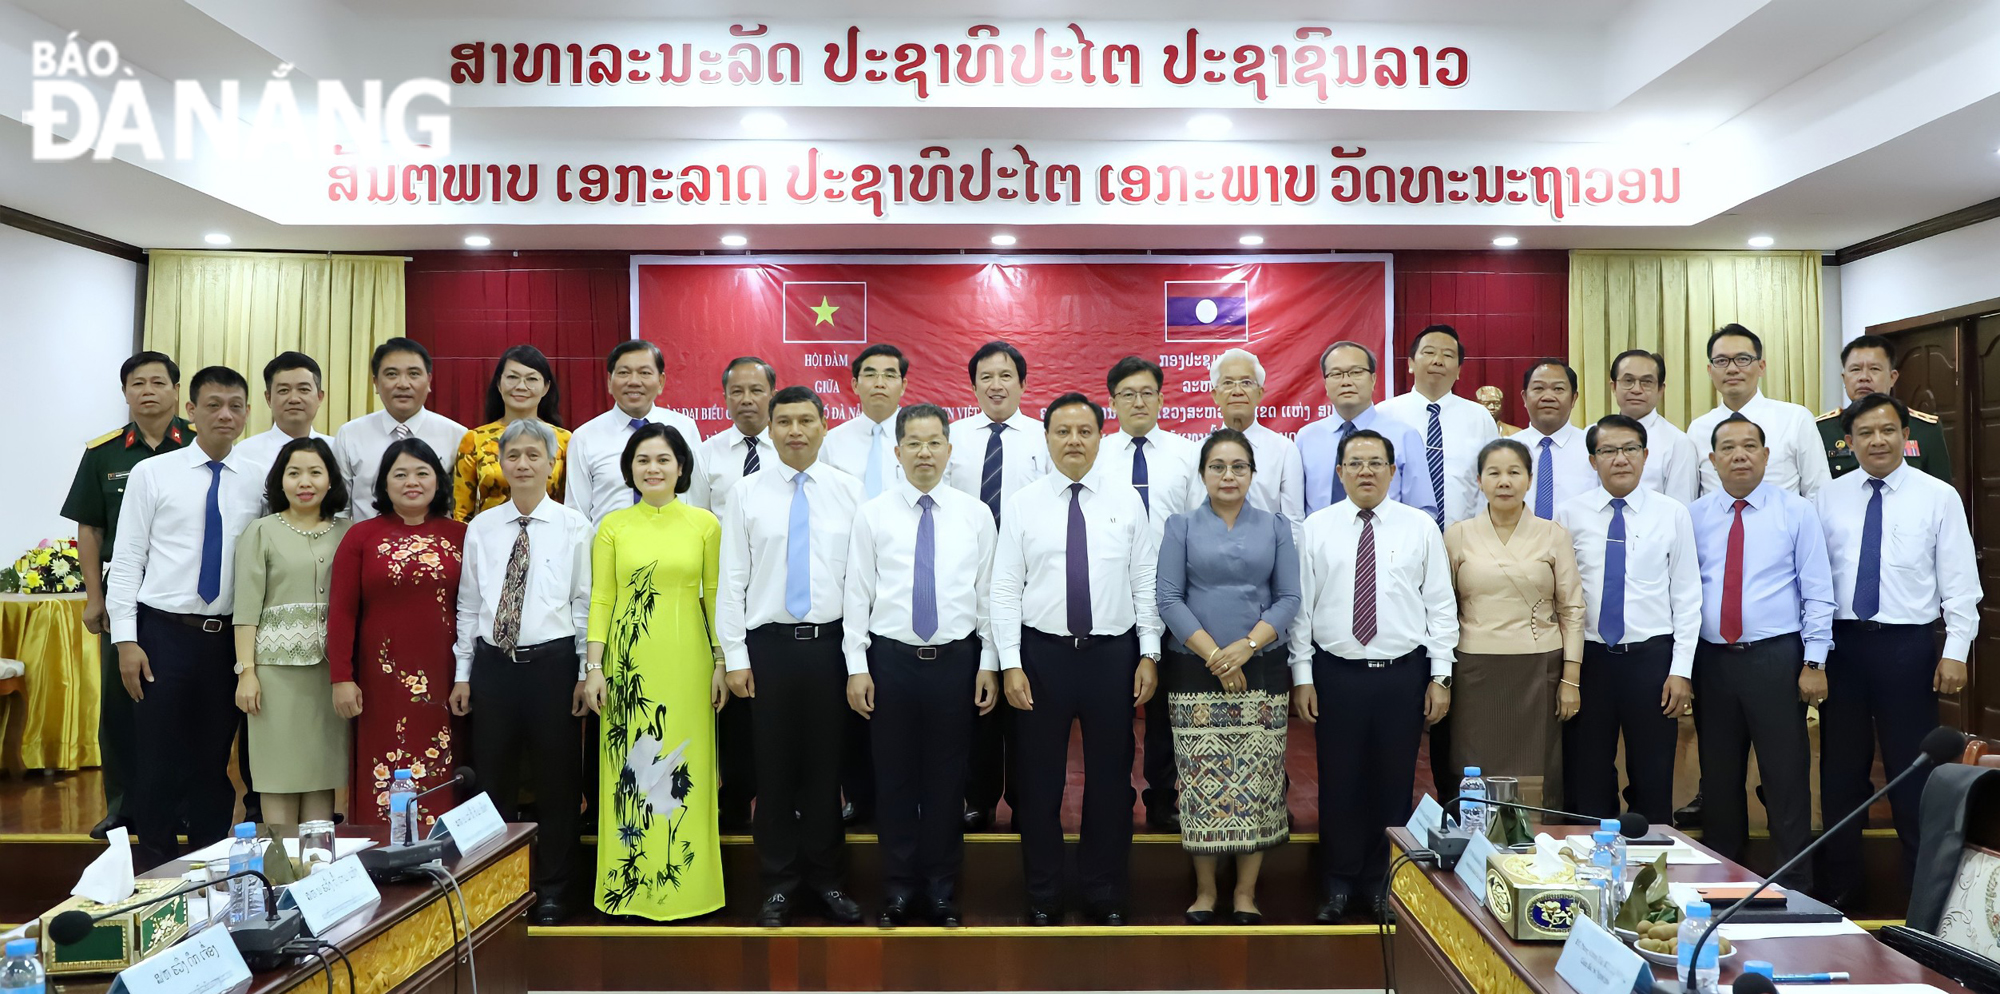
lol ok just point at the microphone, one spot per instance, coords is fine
(1450, 845)
(261, 941)
(394, 864)
(1941, 746)
(1753, 983)
(463, 776)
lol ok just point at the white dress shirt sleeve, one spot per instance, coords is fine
(1144, 565)
(582, 533)
(1814, 472)
(1682, 478)
(1957, 576)
(1684, 581)
(1815, 573)
(1302, 623)
(468, 607)
(858, 597)
(1010, 572)
(698, 493)
(989, 648)
(1291, 491)
(733, 590)
(128, 562)
(578, 489)
(1440, 604)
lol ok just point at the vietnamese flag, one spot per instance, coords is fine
(826, 312)
(1208, 311)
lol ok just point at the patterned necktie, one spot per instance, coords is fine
(1732, 580)
(750, 463)
(1340, 492)
(1868, 579)
(1434, 456)
(1611, 612)
(635, 424)
(400, 432)
(210, 586)
(1076, 566)
(798, 552)
(1141, 477)
(871, 478)
(923, 579)
(513, 590)
(1364, 580)
(989, 473)
(1545, 481)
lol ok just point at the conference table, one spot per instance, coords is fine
(405, 942)
(1447, 943)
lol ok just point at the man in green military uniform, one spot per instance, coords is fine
(1868, 365)
(152, 386)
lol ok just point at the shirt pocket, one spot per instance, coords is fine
(1907, 545)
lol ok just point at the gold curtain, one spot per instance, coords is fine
(240, 309)
(1669, 302)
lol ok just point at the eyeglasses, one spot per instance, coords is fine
(1628, 451)
(1350, 373)
(880, 374)
(1357, 465)
(1740, 361)
(921, 448)
(1136, 396)
(1630, 382)
(1228, 469)
(1237, 383)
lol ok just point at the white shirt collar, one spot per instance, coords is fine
(786, 473)
(1896, 478)
(910, 494)
(1600, 498)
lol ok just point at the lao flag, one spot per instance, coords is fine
(1217, 311)
(826, 313)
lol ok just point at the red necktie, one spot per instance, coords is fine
(1732, 579)
(1364, 580)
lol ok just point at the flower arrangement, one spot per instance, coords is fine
(49, 568)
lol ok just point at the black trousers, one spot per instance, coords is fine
(1371, 720)
(522, 711)
(1091, 685)
(116, 750)
(1878, 693)
(188, 721)
(1750, 698)
(1158, 756)
(857, 763)
(801, 700)
(1621, 694)
(922, 731)
(991, 760)
(736, 761)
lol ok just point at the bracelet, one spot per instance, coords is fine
(1212, 653)
(1572, 683)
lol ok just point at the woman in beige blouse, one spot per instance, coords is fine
(1520, 631)
(284, 562)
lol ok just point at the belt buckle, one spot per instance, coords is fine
(1869, 625)
(1079, 641)
(804, 633)
(1619, 649)
(927, 652)
(1378, 664)
(211, 625)
(513, 655)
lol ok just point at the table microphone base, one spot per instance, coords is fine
(262, 940)
(1448, 845)
(397, 863)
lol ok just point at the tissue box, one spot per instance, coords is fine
(1534, 906)
(122, 939)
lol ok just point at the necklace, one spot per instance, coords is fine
(323, 529)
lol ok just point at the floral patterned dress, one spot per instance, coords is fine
(391, 618)
(652, 604)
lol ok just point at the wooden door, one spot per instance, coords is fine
(1930, 377)
(1981, 440)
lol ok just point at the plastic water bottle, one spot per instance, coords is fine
(1618, 845)
(246, 894)
(1603, 873)
(1703, 976)
(1472, 813)
(401, 791)
(21, 972)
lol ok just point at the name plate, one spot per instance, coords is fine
(1594, 961)
(470, 825)
(1472, 866)
(207, 963)
(1428, 815)
(332, 894)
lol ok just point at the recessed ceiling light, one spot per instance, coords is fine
(478, 241)
(1762, 241)
(1250, 240)
(1209, 125)
(735, 241)
(1506, 241)
(763, 122)
(1003, 239)
(215, 238)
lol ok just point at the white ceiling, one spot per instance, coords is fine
(1840, 111)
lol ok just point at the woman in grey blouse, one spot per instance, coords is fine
(284, 561)
(1228, 587)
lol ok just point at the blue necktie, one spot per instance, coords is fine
(210, 586)
(1141, 478)
(1340, 492)
(1076, 566)
(1545, 482)
(798, 553)
(635, 424)
(923, 596)
(1611, 613)
(871, 478)
(989, 473)
(1434, 455)
(1868, 579)
(750, 463)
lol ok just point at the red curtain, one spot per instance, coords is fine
(1509, 308)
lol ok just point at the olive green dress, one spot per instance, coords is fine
(297, 743)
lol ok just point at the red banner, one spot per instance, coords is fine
(1073, 317)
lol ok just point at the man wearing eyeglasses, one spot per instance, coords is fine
(1736, 367)
(1348, 370)
(1672, 467)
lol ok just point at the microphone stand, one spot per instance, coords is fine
(1449, 845)
(260, 941)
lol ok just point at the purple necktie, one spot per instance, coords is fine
(923, 599)
(1076, 571)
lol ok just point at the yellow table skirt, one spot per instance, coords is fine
(46, 632)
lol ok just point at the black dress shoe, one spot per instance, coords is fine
(978, 820)
(103, 828)
(1200, 917)
(944, 914)
(1164, 820)
(1245, 918)
(1690, 816)
(841, 908)
(895, 913)
(852, 815)
(1332, 911)
(1043, 917)
(548, 912)
(1380, 913)
(1110, 916)
(776, 912)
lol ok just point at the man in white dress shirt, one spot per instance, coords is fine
(920, 663)
(993, 454)
(778, 619)
(744, 447)
(1376, 601)
(595, 484)
(1736, 367)
(523, 618)
(401, 371)
(1078, 633)
(865, 447)
(1236, 382)
(1561, 462)
(1160, 466)
(1902, 557)
(169, 594)
(293, 393)
(1347, 369)
(1642, 617)
(1452, 428)
(1673, 467)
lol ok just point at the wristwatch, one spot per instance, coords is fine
(1252, 639)
(1442, 681)
(1821, 665)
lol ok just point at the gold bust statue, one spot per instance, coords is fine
(1492, 397)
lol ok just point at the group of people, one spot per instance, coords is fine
(903, 617)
